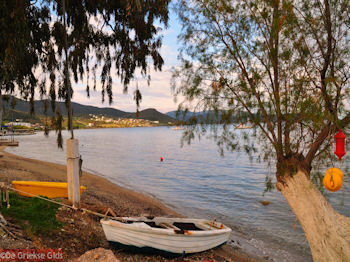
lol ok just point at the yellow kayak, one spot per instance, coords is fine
(47, 189)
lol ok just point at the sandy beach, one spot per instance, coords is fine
(82, 231)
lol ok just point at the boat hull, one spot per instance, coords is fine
(47, 189)
(167, 240)
(148, 250)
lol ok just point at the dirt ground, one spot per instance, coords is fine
(82, 231)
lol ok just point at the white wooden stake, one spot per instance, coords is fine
(73, 177)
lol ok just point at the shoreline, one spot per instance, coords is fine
(100, 195)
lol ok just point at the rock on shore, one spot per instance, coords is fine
(98, 255)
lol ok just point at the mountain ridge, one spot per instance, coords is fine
(22, 110)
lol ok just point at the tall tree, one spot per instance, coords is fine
(286, 64)
(24, 31)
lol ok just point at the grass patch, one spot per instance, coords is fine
(34, 214)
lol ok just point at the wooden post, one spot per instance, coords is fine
(73, 177)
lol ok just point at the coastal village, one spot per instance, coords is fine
(102, 121)
(95, 121)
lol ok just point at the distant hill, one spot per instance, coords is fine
(153, 115)
(185, 116)
(208, 116)
(22, 109)
(78, 109)
(181, 115)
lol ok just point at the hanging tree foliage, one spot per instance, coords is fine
(107, 34)
(284, 66)
(98, 35)
(24, 30)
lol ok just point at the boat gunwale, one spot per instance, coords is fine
(168, 231)
(42, 184)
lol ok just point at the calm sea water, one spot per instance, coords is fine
(193, 179)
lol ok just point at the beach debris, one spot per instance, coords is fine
(2, 233)
(110, 211)
(264, 202)
(98, 254)
(4, 228)
(3, 220)
(161, 159)
(4, 196)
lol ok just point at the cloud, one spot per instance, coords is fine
(157, 95)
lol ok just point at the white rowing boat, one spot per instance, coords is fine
(178, 128)
(174, 235)
(243, 126)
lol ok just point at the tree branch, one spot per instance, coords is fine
(327, 58)
(325, 132)
(274, 42)
(240, 63)
(318, 142)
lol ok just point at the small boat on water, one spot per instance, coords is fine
(243, 126)
(173, 235)
(47, 189)
(178, 128)
(6, 142)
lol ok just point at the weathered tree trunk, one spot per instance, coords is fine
(327, 231)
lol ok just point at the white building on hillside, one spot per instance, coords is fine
(19, 124)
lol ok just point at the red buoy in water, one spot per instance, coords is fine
(161, 159)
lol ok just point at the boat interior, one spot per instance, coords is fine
(176, 225)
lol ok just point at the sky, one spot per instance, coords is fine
(157, 95)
